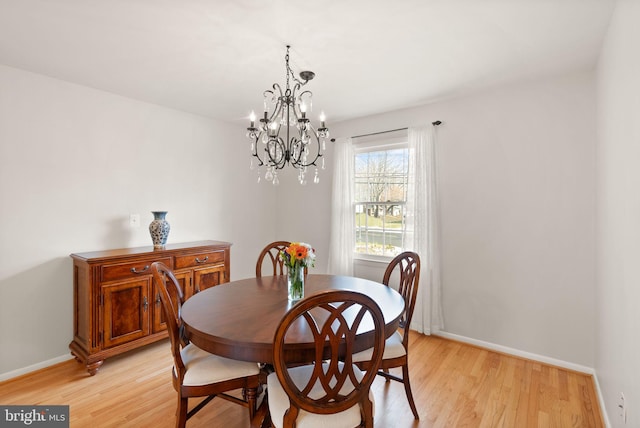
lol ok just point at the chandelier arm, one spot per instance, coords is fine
(278, 105)
(318, 152)
(260, 162)
(306, 92)
(276, 162)
(255, 150)
(276, 113)
(296, 101)
(295, 143)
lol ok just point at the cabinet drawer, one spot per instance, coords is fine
(129, 269)
(199, 259)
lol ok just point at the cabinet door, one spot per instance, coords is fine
(186, 282)
(125, 314)
(208, 277)
(158, 321)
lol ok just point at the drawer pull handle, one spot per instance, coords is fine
(158, 300)
(202, 260)
(145, 303)
(144, 269)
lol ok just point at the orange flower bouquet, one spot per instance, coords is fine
(296, 257)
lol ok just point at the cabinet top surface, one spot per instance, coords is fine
(149, 250)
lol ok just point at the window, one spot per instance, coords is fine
(381, 180)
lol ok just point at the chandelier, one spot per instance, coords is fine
(285, 135)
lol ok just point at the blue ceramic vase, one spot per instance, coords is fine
(159, 229)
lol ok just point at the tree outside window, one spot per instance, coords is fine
(380, 195)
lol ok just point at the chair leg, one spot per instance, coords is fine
(407, 388)
(251, 396)
(367, 410)
(181, 412)
(262, 417)
(387, 372)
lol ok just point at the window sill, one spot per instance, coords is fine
(367, 258)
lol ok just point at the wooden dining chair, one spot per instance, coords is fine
(405, 267)
(271, 256)
(271, 253)
(197, 373)
(331, 391)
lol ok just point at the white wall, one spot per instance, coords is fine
(74, 163)
(517, 192)
(517, 180)
(304, 211)
(618, 215)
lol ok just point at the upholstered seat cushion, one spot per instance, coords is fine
(204, 368)
(279, 402)
(393, 348)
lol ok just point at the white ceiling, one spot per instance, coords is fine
(215, 57)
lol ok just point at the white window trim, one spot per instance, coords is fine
(372, 258)
(386, 141)
(378, 144)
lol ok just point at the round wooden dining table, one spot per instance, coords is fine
(239, 319)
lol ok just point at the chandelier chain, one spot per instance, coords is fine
(286, 58)
(291, 73)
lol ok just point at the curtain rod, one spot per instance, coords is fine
(436, 123)
(381, 132)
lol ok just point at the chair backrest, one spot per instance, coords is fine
(272, 253)
(172, 298)
(333, 317)
(407, 266)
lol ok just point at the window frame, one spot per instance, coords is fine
(382, 142)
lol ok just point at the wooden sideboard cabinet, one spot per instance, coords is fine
(116, 305)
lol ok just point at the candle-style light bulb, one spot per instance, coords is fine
(303, 110)
(252, 118)
(322, 118)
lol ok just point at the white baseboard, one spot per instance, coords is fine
(34, 367)
(518, 353)
(603, 409)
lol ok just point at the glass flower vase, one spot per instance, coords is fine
(295, 282)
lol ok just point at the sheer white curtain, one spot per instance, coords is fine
(422, 233)
(342, 240)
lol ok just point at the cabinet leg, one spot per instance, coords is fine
(94, 367)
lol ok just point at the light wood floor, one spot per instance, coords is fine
(454, 385)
